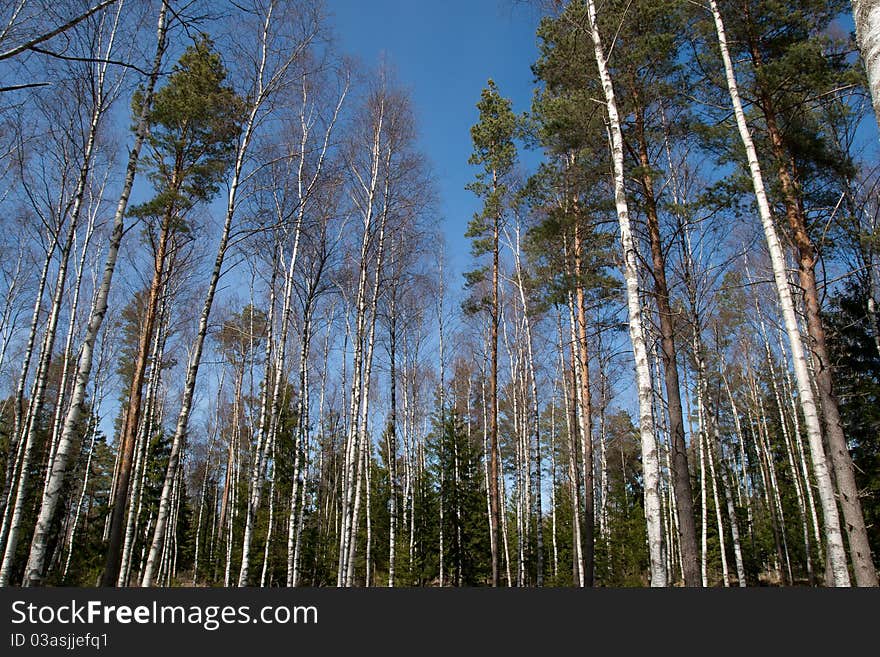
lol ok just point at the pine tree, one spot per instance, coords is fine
(193, 125)
(494, 150)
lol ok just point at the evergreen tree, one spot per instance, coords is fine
(193, 125)
(494, 150)
(456, 462)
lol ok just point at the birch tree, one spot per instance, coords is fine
(650, 461)
(100, 36)
(279, 45)
(36, 559)
(866, 14)
(834, 538)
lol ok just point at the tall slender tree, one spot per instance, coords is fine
(495, 151)
(650, 462)
(839, 574)
(192, 128)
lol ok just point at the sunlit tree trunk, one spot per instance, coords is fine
(866, 15)
(16, 445)
(203, 489)
(145, 433)
(834, 536)
(650, 462)
(268, 77)
(99, 108)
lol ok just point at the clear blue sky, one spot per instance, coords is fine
(444, 52)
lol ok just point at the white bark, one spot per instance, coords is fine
(203, 489)
(68, 345)
(802, 458)
(74, 206)
(266, 83)
(49, 34)
(703, 509)
(369, 186)
(99, 399)
(834, 537)
(571, 431)
(866, 15)
(37, 556)
(721, 540)
(12, 469)
(650, 461)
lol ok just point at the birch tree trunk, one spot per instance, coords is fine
(392, 425)
(866, 15)
(17, 445)
(99, 108)
(535, 410)
(817, 348)
(369, 186)
(834, 537)
(27, 439)
(99, 400)
(68, 345)
(36, 559)
(650, 461)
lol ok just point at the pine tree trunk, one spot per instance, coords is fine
(569, 378)
(132, 423)
(144, 435)
(266, 82)
(586, 419)
(681, 483)
(194, 362)
(854, 520)
(494, 494)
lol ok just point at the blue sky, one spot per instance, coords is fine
(444, 52)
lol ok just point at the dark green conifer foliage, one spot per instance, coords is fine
(193, 127)
(456, 462)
